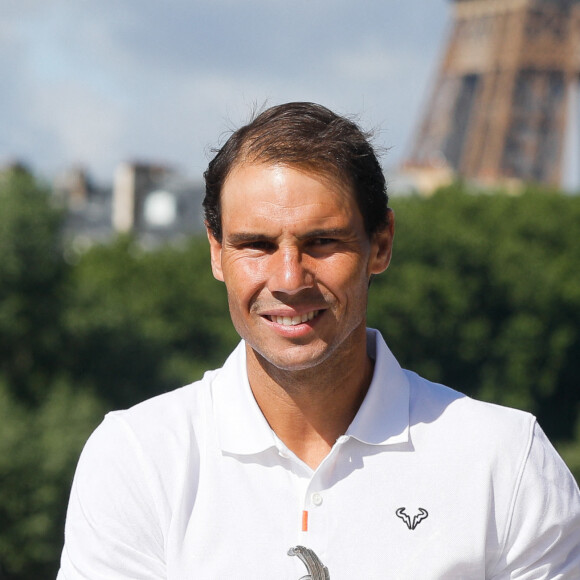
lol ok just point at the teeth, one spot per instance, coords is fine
(294, 320)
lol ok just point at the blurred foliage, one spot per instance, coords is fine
(143, 322)
(32, 275)
(39, 449)
(43, 420)
(483, 294)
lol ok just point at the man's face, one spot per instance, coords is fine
(296, 261)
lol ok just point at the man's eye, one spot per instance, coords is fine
(323, 241)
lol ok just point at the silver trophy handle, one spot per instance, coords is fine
(316, 569)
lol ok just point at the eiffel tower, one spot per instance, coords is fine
(503, 98)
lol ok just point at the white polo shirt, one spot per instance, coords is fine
(425, 484)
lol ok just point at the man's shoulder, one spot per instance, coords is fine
(170, 406)
(173, 424)
(185, 403)
(436, 408)
(440, 416)
(156, 425)
(191, 401)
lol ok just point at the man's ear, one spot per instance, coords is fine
(215, 250)
(382, 246)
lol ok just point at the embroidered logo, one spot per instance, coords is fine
(412, 523)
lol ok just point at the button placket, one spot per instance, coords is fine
(314, 515)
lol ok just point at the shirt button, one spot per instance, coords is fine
(316, 499)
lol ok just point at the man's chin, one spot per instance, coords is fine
(294, 358)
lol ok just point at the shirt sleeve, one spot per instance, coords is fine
(542, 540)
(113, 526)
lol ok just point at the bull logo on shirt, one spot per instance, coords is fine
(412, 523)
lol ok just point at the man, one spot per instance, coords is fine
(311, 451)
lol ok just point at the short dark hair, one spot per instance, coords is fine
(308, 136)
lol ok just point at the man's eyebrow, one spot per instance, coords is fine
(327, 233)
(242, 237)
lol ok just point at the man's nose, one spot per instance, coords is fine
(289, 273)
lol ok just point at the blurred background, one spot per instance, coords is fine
(109, 114)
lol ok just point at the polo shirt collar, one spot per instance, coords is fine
(383, 418)
(242, 428)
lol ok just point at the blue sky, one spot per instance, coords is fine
(99, 82)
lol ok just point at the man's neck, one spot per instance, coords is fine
(309, 409)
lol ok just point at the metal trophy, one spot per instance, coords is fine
(316, 569)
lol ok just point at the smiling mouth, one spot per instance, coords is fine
(294, 320)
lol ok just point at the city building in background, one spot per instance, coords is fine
(505, 99)
(151, 201)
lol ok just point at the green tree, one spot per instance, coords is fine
(143, 322)
(43, 421)
(39, 448)
(32, 277)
